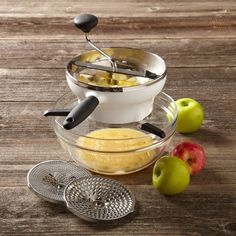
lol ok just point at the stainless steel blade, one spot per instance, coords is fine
(146, 73)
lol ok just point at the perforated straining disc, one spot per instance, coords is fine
(96, 198)
(48, 179)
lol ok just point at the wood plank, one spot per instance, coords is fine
(112, 8)
(177, 53)
(32, 84)
(39, 84)
(152, 19)
(24, 214)
(218, 26)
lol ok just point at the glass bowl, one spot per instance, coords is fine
(117, 149)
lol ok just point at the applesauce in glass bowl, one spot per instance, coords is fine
(117, 149)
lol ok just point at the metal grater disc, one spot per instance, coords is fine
(48, 179)
(96, 198)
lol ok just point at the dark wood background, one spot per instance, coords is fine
(198, 41)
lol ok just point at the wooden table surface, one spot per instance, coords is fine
(198, 41)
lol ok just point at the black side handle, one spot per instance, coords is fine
(85, 22)
(152, 129)
(57, 112)
(80, 112)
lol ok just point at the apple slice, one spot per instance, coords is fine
(193, 154)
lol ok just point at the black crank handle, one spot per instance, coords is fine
(80, 112)
(85, 22)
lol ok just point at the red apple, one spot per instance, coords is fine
(193, 154)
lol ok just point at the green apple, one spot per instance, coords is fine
(170, 175)
(190, 115)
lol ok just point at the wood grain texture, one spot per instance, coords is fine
(177, 52)
(196, 38)
(111, 8)
(149, 19)
(208, 26)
